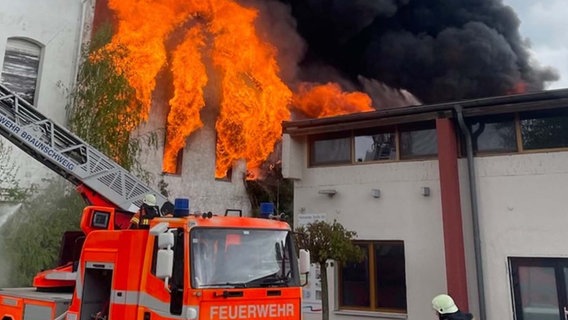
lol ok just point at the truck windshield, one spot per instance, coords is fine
(226, 258)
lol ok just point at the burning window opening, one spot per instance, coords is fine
(228, 176)
(254, 100)
(176, 167)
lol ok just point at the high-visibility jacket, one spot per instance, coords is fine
(142, 217)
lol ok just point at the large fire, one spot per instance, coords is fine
(326, 100)
(219, 40)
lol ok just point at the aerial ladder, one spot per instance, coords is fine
(194, 266)
(99, 179)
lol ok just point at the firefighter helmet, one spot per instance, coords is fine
(149, 200)
(444, 304)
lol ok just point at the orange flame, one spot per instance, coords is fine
(253, 99)
(327, 100)
(519, 87)
(143, 27)
(190, 78)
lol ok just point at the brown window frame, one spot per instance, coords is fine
(374, 131)
(372, 279)
(352, 134)
(520, 147)
(329, 136)
(419, 126)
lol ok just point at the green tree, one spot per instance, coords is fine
(10, 189)
(32, 237)
(103, 108)
(327, 241)
(11, 197)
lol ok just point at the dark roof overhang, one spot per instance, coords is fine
(477, 107)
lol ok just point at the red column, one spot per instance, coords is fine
(451, 212)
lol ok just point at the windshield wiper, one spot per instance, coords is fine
(225, 285)
(272, 279)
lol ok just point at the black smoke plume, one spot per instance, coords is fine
(439, 50)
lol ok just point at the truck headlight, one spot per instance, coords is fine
(192, 312)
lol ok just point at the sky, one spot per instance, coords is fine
(545, 24)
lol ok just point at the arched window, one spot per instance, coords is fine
(21, 67)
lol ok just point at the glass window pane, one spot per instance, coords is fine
(539, 298)
(375, 146)
(20, 68)
(223, 257)
(493, 134)
(331, 150)
(390, 275)
(355, 282)
(418, 141)
(544, 129)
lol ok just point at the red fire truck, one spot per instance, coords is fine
(193, 266)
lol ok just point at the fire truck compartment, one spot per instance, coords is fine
(35, 304)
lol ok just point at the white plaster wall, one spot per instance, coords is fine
(58, 26)
(521, 201)
(197, 181)
(468, 234)
(522, 212)
(293, 156)
(401, 213)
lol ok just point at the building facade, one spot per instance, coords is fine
(40, 53)
(465, 198)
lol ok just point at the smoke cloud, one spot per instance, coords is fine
(437, 50)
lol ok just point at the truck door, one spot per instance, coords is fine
(166, 303)
(95, 298)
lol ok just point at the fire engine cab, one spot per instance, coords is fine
(189, 266)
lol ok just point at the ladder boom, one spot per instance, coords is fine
(68, 155)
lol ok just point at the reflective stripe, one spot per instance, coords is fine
(124, 297)
(71, 316)
(9, 301)
(100, 265)
(136, 298)
(162, 308)
(61, 276)
(79, 282)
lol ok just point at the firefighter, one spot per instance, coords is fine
(148, 210)
(446, 309)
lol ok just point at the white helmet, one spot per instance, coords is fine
(444, 304)
(150, 200)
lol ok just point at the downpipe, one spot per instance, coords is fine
(474, 211)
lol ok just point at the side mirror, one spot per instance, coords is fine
(304, 261)
(165, 257)
(164, 263)
(304, 266)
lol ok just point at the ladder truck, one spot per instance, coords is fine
(189, 266)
